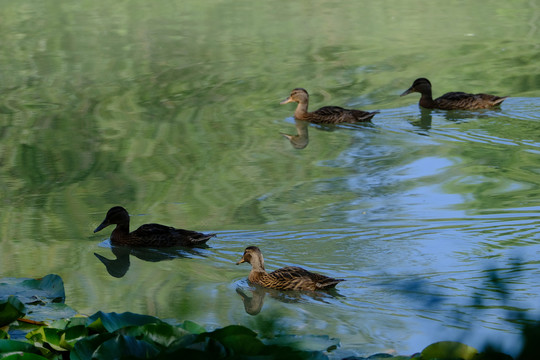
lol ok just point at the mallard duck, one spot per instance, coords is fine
(452, 100)
(326, 114)
(287, 278)
(149, 235)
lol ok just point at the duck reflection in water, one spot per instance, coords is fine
(253, 297)
(301, 139)
(456, 116)
(119, 267)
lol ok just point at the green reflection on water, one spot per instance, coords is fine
(172, 110)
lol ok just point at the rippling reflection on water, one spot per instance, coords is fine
(173, 112)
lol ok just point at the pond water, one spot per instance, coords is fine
(171, 109)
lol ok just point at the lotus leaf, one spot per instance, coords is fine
(10, 310)
(448, 350)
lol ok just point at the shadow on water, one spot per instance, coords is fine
(425, 120)
(119, 266)
(495, 291)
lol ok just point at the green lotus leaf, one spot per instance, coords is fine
(85, 348)
(43, 298)
(13, 346)
(24, 356)
(231, 330)
(448, 350)
(162, 334)
(113, 321)
(238, 339)
(122, 346)
(209, 346)
(192, 327)
(185, 353)
(50, 311)
(305, 342)
(3, 334)
(10, 310)
(73, 334)
(35, 291)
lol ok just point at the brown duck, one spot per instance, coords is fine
(287, 278)
(452, 100)
(149, 235)
(326, 114)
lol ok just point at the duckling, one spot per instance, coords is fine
(149, 235)
(452, 100)
(287, 278)
(326, 114)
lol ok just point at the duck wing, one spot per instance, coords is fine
(297, 278)
(336, 115)
(465, 101)
(157, 235)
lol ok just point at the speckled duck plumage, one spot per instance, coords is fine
(326, 114)
(287, 278)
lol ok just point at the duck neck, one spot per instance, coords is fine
(121, 231)
(426, 100)
(301, 110)
(257, 269)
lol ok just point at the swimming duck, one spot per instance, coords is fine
(287, 278)
(326, 114)
(148, 235)
(452, 100)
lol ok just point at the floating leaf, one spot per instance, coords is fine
(448, 350)
(192, 327)
(24, 356)
(305, 342)
(162, 334)
(239, 339)
(113, 321)
(122, 346)
(85, 348)
(43, 297)
(10, 310)
(35, 291)
(11, 346)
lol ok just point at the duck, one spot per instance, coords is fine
(452, 100)
(326, 114)
(149, 235)
(287, 278)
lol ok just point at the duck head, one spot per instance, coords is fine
(253, 256)
(116, 215)
(298, 95)
(421, 85)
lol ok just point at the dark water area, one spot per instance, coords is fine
(172, 111)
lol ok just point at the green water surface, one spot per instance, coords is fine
(171, 109)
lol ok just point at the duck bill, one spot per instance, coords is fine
(103, 225)
(286, 101)
(408, 91)
(240, 261)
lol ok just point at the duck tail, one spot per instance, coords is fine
(329, 283)
(498, 100)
